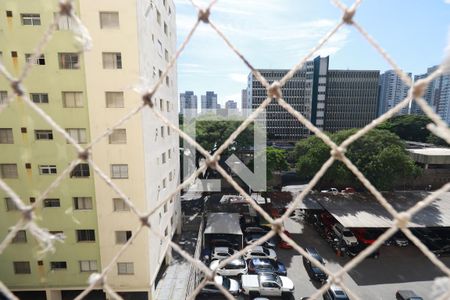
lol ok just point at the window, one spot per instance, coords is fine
(118, 136)
(39, 98)
(114, 99)
(22, 267)
(80, 170)
(163, 158)
(10, 204)
(125, 268)
(78, 134)
(6, 136)
(72, 99)
(21, 237)
(64, 22)
(58, 265)
(166, 31)
(158, 17)
(160, 73)
(112, 60)
(162, 131)
(31, 19)
(120, 205)
(168, 106)
(82, 203)
(43, 134)
(167, 80)
(165, 207)
(122, 236)
(88, 265)
(37, 61)
(47, 169)
(69, 60)
(3, 97)
(170, 176)
(168, 130)
(164, 183)
(109, 20)
(160, 48)
(169, 153)
(119, 171)
(51, 203)
(85, 235)
(166, 55)
(8, 171)
(161, 104)
(166, 231)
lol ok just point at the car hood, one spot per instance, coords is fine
(213, 265)
(234, 286)
(272, 253)
(287, 283)
(350, 239)
(281, 267)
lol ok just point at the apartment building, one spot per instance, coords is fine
(392, 91)
(209, 101)
(188, 101)
(86, 93)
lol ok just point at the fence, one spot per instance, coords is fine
(274, 93)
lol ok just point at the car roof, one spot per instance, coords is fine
(221, 249)
(257, 248)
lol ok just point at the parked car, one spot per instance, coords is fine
(235, 267)
(222, 243)
(335, 292)
(352, 251)
(222, 252)
(253, 237)
(260, 252)
(313, 271)
(266, 284)
(399, 239)
(253, 229)
(331, 190)
(407, 295)
(229, 284)
(348, 190)
(345, 234)
(266, 265)
(283, 244)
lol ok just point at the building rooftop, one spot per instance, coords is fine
(438, 156)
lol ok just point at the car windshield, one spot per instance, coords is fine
(226, 283)
(270, 277)
(347, 233)
(230, 252)
(341, 295)
(266, 251)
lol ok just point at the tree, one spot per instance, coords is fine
(380, 155)
(412, 128)
(276, 160)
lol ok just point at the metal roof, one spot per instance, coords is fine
(363, 210)
(223, 223)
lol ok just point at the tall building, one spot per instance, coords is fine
(188, 100)
(305, 92)
(209, 101)
(244, 100)
(230, 104)
(351, 99)
(392, 91)
(86, 93)
(437, 95)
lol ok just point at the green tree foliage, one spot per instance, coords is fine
(412, 128)
(380, 155)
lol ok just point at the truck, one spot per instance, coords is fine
(266, 284)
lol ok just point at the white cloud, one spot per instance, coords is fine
(239, 77)
(447, 1)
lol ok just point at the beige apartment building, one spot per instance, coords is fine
(86, 93)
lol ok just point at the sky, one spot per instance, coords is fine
(279, 33)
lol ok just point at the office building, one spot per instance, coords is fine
(188, 101)
(351, 99)
(230, 104)
(86, 93)
(244, 100)
(209, 101)
(392, 91)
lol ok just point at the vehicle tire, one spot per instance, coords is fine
(253, 294)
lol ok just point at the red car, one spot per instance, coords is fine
(348, 190)
(283, 244)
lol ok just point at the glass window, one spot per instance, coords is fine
(47, 169)
(125, 268)
(43, 134)
(58, 265)
(158, 17)
(118, 136)
(6, 136)
(123, 236)
(112, 60)
(82, 203)
(119, 171)
(85, 235)
(37, 61)
(88, 265)
(120, 205)
(114, 99)
(78, 134)
(69, 60)
(22, 267)
(80, 170)
(109, 20)
(51, 203)
(10, 204)
(21, 237)
(39, 98)
(30, 19)
(3, 97)
(72, 99)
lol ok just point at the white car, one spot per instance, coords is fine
(345, 234)
(235, 267)
(222, 252)
(229, 284)
(266, 284)
(260, 252)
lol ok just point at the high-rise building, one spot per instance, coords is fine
(244, 100)
(305, 92)
(437, 94)
(209, 101)
(188, 100)
(351, 99)
(230, 104)
(392, 91)
(86, 93)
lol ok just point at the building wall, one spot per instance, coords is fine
(352, 99)
(392, 91)
(26, 149)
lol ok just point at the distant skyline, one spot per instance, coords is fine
(278, 33)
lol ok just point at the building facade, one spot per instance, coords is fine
(305, 92)
(188, 101)
(392, 91)
(230, 104)
(86, 93)
(351, 99)
(209, 101)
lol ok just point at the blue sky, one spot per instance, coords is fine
(278, 33)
